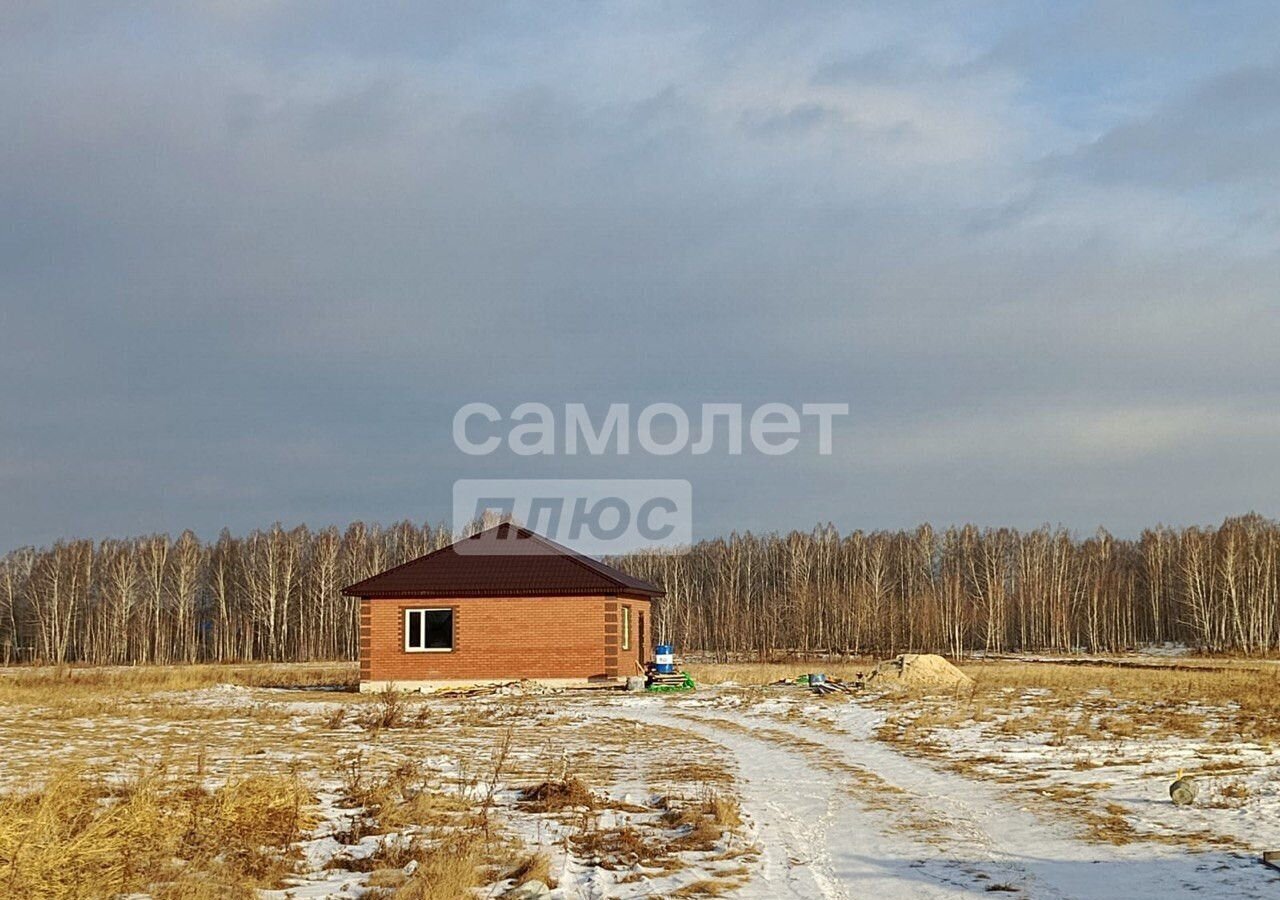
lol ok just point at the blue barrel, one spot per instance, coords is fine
(664, 660)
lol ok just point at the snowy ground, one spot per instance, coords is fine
(841, 798)
(841, 814)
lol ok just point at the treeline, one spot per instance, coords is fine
(275, 594)
(968, 589)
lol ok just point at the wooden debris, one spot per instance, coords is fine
(671, 678)
(664, 682)
(831, 687)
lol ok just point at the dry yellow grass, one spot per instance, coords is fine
(534, 867)
(399, 798)
(1157, 699)
(84, 837)
(622, 848)
(1250, 688)
(1208, 681)
(46, 682)
(1073, 703)
(450, 865)
(707, 887)
(715, 771)
(101, 723)
(1215, 683)
(769, 672)
(556, 795)
(388, 711)
(723, 809)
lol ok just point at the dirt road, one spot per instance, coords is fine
(839, 814)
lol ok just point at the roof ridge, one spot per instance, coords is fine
(425, 556)
(595, 575)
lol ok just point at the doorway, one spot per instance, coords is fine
(642, 643)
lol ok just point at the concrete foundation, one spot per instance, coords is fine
(428, 687)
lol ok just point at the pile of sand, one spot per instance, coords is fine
(919, 670)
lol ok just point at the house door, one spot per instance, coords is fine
(641, 644)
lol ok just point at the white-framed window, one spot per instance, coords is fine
(626, 628)
(428, 630)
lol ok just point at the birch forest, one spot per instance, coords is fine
(275, 594)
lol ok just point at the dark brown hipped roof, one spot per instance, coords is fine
(505, 561)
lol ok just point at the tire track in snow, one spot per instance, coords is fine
(815, 842)
(894, 813)
(867, 820)
(972, 861)
(792, 819)
(817, 862)
(1053, 856)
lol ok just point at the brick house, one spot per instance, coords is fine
(501, 605)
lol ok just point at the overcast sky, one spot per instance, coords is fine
(254, 255)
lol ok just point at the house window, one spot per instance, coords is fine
(626, 628)
(428, 630)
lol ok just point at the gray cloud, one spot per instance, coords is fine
(256, 255)
(1223, 132)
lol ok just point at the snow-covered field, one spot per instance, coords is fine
(1023, 791)
(840, 813)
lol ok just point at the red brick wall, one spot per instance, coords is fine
(617, 661)
(501, 637)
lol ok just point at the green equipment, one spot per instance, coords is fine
(670, 684)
